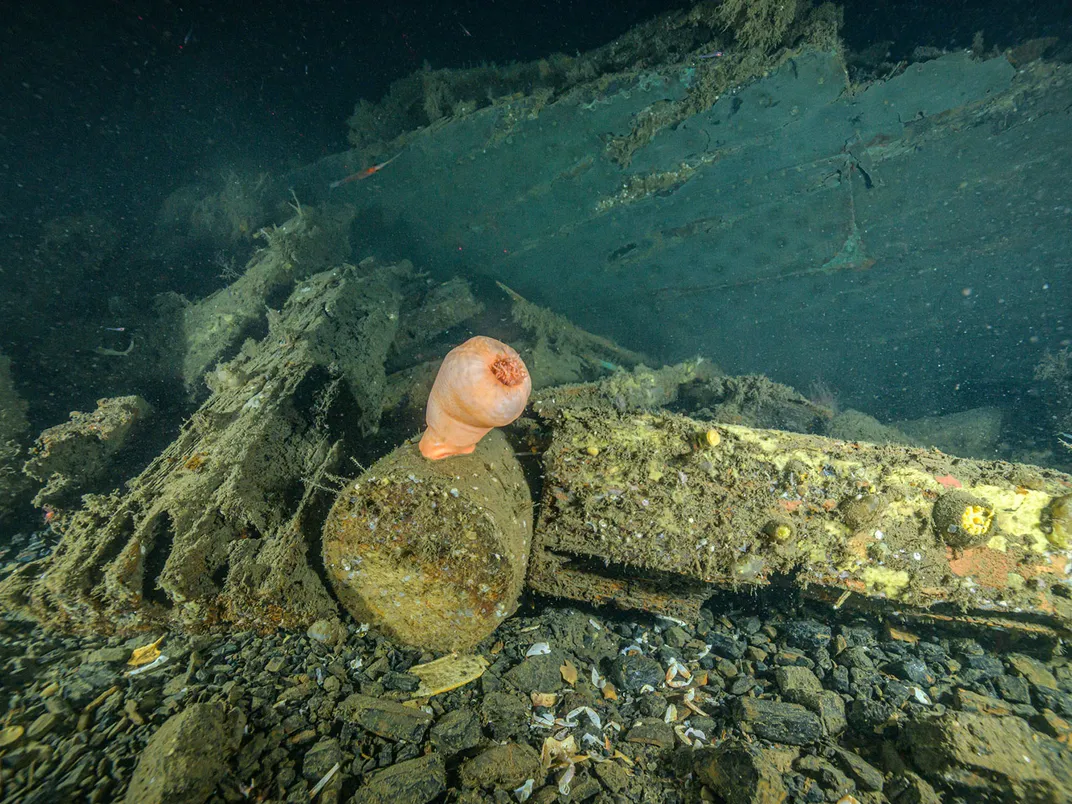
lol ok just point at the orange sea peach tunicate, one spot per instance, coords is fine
(482, 384)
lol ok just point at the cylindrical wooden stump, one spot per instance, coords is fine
(432, 553)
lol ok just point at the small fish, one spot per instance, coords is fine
(364, 174)
(115, 329)
(1065, 439)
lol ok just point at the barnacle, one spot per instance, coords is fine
(976, 519)
(962, 520)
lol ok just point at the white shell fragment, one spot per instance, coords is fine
(525, 790)
(566, 779)
(677, 675)
(571, 719)
(538, 649)
(159, 660)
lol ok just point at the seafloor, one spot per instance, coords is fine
(768, 700)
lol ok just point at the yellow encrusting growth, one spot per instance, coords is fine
(883, 579)
(976, 519)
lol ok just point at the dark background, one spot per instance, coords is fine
(108, 106)
(114, 103)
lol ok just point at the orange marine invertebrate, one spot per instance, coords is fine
(482, 384)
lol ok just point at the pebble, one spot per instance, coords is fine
(416, 781)
(455, 732)
(501, 766)
(631, 672)
(793, 686)
(777, 721)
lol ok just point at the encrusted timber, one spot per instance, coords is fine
(634, 503)
(215, 528)
(212, 329)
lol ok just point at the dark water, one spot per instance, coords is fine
(110, 107)
(882, 222)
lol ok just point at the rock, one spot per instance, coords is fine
(726, 668)
(1013, 689)
(10, 735)
(400, 682)
(537, 673)
(832, 780)
(742, 685)
(912, 669)
(857, 658)
(1054, 726)
(187, 756)
(1033, 670)
(320, 759)
(275, 664)
(866, 775)
(107, 655)
(742, 773)
(830, 707)
(968, 701)
(88, 682)
(42, 726)
(502, 766)
(613, 776)
(330, 632)
(725, 646)
(415, 781)
(457, 731)
(978, 668)
(778, 722)
(869, 716)
(387, 719)
(632, 671)
(506, 714)
(1058, 701)
(807, 634)
(911, 788)
(676, 636)
(651, 731)
(798, 684)
(985, 758)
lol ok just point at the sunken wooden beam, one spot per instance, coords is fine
(649, 510)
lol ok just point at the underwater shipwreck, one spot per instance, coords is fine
(286, 599)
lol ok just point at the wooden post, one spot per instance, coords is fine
(433, 553)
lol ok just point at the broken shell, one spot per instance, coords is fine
(679, 730)
(543, 720)
(565, 779)
(538, 649)
(544, 699)
(677, 675)
(554, 751)
(525, 790)
(596, 678)
(571, 718)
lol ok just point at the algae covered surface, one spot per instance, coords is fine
(433, 552)
(730, 505)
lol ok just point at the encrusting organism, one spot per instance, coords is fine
(482, 384)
